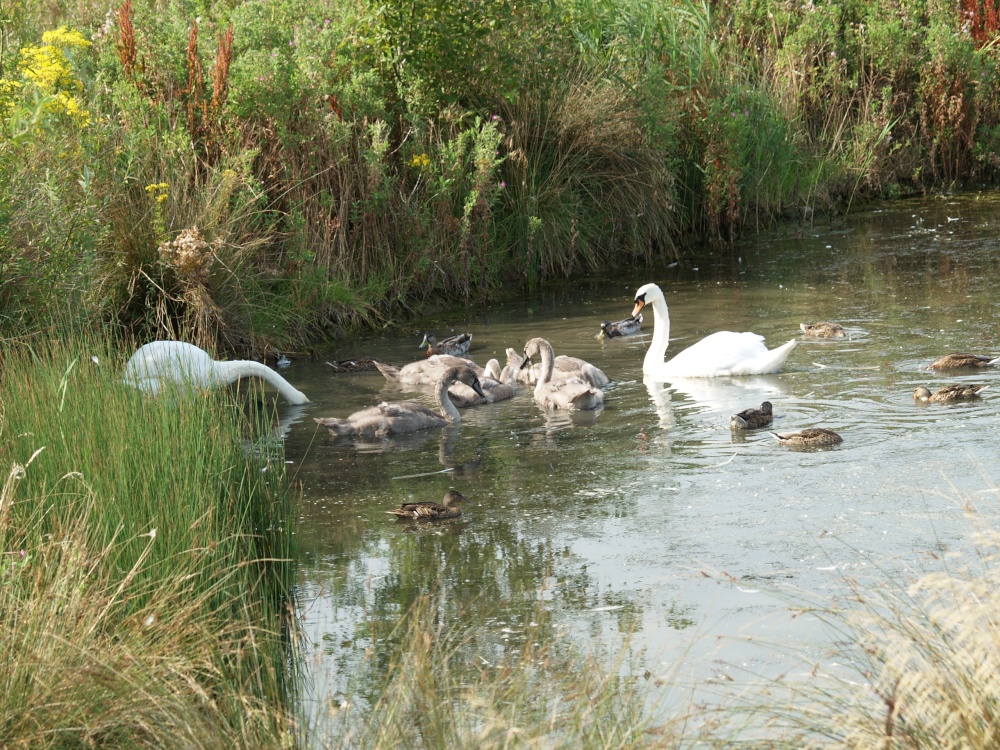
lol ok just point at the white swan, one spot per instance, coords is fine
(717, 355)
(161, 363)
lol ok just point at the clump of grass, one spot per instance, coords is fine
(443, 690)
(916, 667)
(144, 569)
(933, 656)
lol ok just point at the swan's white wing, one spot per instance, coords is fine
(727, 353)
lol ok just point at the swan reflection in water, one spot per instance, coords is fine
(447, 440)
(727, 396)
(721, 396)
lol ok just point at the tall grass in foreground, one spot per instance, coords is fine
(143, 564)
(917, 666)
(443, 691)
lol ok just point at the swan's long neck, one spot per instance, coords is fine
(661, 337)
(228, 372)
(548, 364)
(448, 410)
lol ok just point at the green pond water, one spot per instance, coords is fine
(650, 518)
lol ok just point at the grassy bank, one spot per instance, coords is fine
(255, 174)
(144, 570)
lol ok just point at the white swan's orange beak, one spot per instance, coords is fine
(638, 307)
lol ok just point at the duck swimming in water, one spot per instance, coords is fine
(626, 327)
(431, 511)
(360, 364)
(454, 345)
(948, 394)
(823, 330)
(752, 419)
(394, 417)
(812, 437)
(957, 360)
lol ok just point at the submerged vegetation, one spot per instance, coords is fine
(257, 174)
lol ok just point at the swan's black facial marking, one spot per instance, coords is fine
(477, 387)
(525, 362)
(640, 301)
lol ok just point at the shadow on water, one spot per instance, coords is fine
(616, 521)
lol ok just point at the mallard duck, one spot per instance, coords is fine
(720, 354)
(454, 345)
(426, 371)
(360, 364)
(956, 360)
(752, 419)
(949, 393)
(431, 511)
(494, 389)
(563, 367)
(823, 330)
(390, 418)
(625, 327)
(569, 393)
(811, 437)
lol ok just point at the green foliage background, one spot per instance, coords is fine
(345, 163)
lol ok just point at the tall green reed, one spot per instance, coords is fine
(146, 561)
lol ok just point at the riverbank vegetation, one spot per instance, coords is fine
(145, 563)
(254, 174)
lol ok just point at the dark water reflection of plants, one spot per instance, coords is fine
(650, 518)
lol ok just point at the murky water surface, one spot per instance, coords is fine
(651, 517)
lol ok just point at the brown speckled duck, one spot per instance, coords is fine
(948, 394)
(431, 511)
(957, 360)
(811, 437)
(454, 345)
(752, 419)
(360, 364)
(824, 330)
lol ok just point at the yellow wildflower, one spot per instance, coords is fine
(48, 68)
(420, 161)
(63, 37)
(8, 94)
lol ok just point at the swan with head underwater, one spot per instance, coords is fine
(720, 354)
(160, 364)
